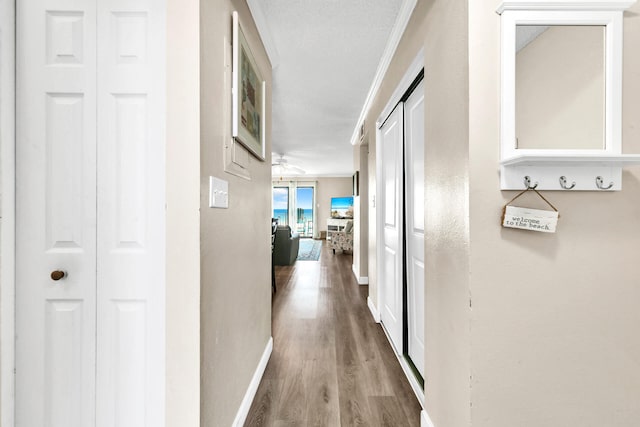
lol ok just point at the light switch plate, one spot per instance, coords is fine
(218, 193)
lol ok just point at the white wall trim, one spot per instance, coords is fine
(425, 421)
(243, 411)
(362, 280)
(255, 7)
(374, 311)
(402, 20)
(413, 382)
(7, 210)
(379, 228)
(408, 372)
(409, 76)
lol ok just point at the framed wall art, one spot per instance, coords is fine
(248, 92)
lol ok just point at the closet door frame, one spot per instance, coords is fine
(403, 86)
(8, 206)
(7, 210)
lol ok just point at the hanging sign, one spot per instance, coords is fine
(530, 219)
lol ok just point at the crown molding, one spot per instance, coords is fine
(587, 5)
(255, 7)
(402, 20)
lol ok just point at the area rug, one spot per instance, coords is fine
(309, 250)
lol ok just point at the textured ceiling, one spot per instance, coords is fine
(327, 55)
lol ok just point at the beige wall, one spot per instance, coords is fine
(440, 28)
(328, 188)
(554, 318)
(235, 243)
(183, 215)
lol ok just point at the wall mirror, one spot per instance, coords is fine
(561, 94)
(560, 87)
(561, 81)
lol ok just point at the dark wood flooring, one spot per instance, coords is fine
(331, 363)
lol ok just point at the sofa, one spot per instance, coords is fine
(285, 246)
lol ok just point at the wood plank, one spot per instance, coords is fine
(331, 363)
(387, 412)
(266, 400)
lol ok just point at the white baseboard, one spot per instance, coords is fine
(425, 421)
(373, 310)
(413, 381)
(361, 280)
(406, 369)
(243, 411)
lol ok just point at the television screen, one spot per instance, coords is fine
(342, 207)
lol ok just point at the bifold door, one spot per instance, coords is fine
(90, 213)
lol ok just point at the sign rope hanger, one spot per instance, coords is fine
(530, 219)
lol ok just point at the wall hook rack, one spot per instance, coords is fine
(527, 183)
(600, 183)
(563, 183)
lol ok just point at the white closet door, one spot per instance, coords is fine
(131, 209)
(55, 213)
(414, 193)
(390, 152)
(90, 201)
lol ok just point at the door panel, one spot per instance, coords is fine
(414, 179)
(130, 203)
(63, 350)
(392, 250)
(55, 213)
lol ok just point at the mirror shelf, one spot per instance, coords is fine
(573, 160)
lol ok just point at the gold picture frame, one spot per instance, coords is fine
(249, 93)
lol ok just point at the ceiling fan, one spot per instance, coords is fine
(281, 166)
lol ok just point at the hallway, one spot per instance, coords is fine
(331, 363)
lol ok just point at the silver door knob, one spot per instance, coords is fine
(58, 274)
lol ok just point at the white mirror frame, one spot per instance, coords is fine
(546, 167)
(612, 21)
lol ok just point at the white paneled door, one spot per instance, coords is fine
(401, 218)
(414, 191)
(391, 202)
(90, 213)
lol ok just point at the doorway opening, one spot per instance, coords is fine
(294, 204)
(304, 211)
